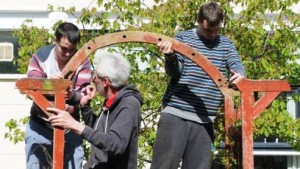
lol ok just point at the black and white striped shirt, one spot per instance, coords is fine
(191, 90)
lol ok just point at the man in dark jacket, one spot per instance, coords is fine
(114, 133)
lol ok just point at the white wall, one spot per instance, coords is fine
(14, 12)
(12, 105)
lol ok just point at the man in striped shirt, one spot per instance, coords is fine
(192, 100)
(48, 62)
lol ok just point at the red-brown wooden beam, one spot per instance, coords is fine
(143, 37)
(59, 134)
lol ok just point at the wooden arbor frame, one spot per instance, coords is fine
(36, 89)
(249, 109)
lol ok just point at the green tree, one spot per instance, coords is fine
(265, 33)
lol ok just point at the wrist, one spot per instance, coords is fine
(78, 127)
(172, 54)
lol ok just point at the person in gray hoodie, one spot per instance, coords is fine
(113, 133)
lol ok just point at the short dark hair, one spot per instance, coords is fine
(68, 30)
(212, 12)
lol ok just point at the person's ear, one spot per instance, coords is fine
(106, 82)
(56, 40)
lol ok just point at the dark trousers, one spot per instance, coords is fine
(178, 139)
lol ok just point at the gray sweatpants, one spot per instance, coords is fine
(178, 139)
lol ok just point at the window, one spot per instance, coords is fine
(6, 51)
(296, 90)
(293, 106)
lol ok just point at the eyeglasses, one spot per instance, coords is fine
(93, 71)
(95, 76)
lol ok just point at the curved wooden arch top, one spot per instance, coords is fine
(145, 37)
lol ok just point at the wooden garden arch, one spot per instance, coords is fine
(247, 112)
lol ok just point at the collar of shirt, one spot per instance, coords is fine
(109, 101)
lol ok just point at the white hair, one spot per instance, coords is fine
(112, 66)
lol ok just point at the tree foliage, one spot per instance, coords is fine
(265, 33)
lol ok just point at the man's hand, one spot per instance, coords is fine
(235, 78)
(64, 120)
(165, 47)
(88, 94)
(69, 92)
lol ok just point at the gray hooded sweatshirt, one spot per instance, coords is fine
(114, 133)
